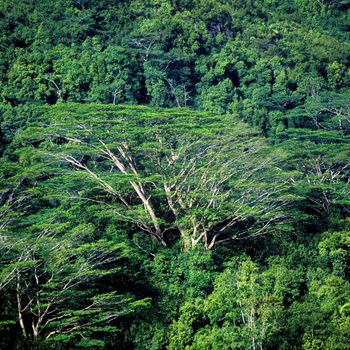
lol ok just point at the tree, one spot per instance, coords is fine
(242, 312)
(51, 265)
(200, 176)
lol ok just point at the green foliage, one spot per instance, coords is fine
(134, 227)
(179, 159)
(251, 58)
(61, 274)
(112, 235)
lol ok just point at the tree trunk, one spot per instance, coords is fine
(19, 306)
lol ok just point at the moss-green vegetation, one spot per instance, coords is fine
(174, 175)
(166, 228)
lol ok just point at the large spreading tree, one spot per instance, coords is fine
(203, 178)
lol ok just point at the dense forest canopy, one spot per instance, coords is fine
(276, 64)
(175, 174)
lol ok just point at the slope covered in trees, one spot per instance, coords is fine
(276, 64)
(135, 227)
(174, 174)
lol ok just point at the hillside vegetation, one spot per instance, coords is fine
(175, 175)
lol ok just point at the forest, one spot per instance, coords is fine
(175, 174)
